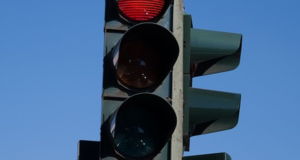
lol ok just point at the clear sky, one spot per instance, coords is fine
(51, 77)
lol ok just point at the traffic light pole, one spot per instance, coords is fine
(177, 84)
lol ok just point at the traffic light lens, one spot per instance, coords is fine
(140, 64)
(141, 10)
(136, 132)
(144, 57)
(141, 126)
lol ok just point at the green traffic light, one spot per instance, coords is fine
(139, 128)
(135, 134)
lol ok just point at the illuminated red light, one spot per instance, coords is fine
(141, 10)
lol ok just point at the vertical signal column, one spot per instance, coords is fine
(140, 50)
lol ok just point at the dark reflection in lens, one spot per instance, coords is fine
(139, 64)
(136, 132)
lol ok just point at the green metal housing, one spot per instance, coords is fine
(207, 52)
(213, 51)
(215, 156)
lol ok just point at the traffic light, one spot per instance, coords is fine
(206, 111)
(140, 51)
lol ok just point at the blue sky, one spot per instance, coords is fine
(51, 77)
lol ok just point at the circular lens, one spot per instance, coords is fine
(136, 132)
(141, 10)
(139, 64)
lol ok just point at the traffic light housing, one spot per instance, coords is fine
(207, 52)
(140, 51)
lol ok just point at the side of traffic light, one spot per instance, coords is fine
(207, 52)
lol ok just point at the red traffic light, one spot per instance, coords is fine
(142, 10)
